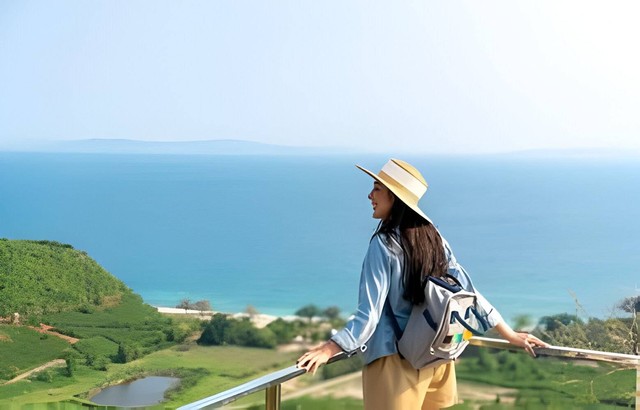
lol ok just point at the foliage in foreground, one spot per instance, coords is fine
(549, 380)
(618, 335)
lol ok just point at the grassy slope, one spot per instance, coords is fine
(38, 277)
(130, 322)
(60, 389)
(23, 349)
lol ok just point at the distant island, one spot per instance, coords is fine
(203, 147)
(247, 147)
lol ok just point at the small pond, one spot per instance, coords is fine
(142, 392)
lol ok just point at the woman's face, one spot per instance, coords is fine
(381, 200)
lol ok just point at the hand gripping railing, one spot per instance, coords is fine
(271, 382)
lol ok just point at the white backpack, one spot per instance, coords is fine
(438, 330)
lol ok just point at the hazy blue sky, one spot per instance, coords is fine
(445, 76)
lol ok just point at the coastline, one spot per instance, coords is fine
(259, 320)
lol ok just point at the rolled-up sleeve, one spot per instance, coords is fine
(491, 314)
(374, 287)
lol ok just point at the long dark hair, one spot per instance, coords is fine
(421, 245)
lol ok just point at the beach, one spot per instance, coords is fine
(259, 320)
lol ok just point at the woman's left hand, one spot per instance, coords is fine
(318, 356)
(527, 341)
(521, 339)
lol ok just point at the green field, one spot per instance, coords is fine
(130, 322)
(22, 349)
(204, 370)
(96, 346)
(227, 367)
(538, 384)
(550, 382)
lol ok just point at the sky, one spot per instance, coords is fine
(425, 76)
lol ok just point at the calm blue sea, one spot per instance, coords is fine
(279, 232)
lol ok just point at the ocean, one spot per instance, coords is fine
(538, 236)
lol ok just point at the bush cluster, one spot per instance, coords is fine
(221, 330)
(618, 335)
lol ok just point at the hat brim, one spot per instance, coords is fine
(396, 192)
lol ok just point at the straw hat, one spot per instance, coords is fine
(404, 180)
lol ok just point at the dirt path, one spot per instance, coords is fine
(53, 363)
(46, 329)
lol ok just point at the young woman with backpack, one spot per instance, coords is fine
(405, 249)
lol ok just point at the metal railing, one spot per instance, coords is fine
(271, 382)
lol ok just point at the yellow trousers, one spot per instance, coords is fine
(390, 383)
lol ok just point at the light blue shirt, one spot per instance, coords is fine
(370, 330)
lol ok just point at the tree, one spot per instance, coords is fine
(202, 306)
(184, 304)
(214, 331)
(331, 313)
(126, 353)
(70, 368)
(552, 323)
(222, 331)
(251, 311)
(243, 333)
(630, 305)
(308, 311)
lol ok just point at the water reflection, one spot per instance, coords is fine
(142, 392)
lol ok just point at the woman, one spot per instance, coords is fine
(405, 249)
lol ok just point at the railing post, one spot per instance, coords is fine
(272, 398)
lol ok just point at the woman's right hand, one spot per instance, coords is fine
(318, 356)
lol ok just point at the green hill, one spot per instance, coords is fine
(43, 277)
(52, 283)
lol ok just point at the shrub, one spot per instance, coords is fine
(44, 376)
(309, 311)
(126, 353)
(100, 363)
(243, 333)
(224, 331)
(70, 367)
(284, 331)
(213, 332)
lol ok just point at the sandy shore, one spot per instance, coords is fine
(259, 319)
